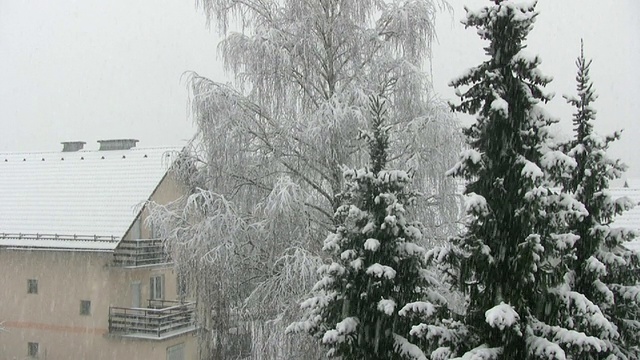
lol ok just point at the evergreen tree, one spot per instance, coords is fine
(513, 257)
(376, 284)
(605, 272)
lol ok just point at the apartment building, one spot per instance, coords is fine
(81, 274)
(629, 219)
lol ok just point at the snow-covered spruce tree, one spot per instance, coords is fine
(514, 254)
(271, 146)
(376, 282)
(605, 272)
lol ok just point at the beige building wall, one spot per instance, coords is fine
(52, 317)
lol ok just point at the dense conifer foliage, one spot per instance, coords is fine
(376, 283)
(514, 256)
(604, 271)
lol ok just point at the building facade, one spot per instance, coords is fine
(631, 218)
(82, 275)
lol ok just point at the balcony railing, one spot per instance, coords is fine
(161, 319)
(141, 252)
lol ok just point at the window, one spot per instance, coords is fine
(32, 286)
(32, 349)
(156, 291)
(175, 352)
(85, 307)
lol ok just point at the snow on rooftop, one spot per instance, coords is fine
(92, 195)
(631, 218)
(633, 183)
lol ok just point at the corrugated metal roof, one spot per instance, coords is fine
(631, 218)
(83, 199)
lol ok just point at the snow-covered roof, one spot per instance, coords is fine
(631, 218)
(76, 200)
(632, 183)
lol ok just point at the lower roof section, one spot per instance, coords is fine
(164, 336)
(58, 242)
(631, 218)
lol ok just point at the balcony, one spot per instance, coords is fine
(141, 252)
(162, 319)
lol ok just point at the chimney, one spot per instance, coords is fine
(70, 146)
(117, 144)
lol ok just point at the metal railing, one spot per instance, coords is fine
(167, 317)
(140, 252)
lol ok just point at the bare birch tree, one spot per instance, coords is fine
(271, 146)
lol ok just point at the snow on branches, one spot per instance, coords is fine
(604, 272)
(273, 143)
(376, 279)
(514, 260)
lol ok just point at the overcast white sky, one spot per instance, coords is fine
(90, 70)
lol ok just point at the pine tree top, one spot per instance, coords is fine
(585, 114)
